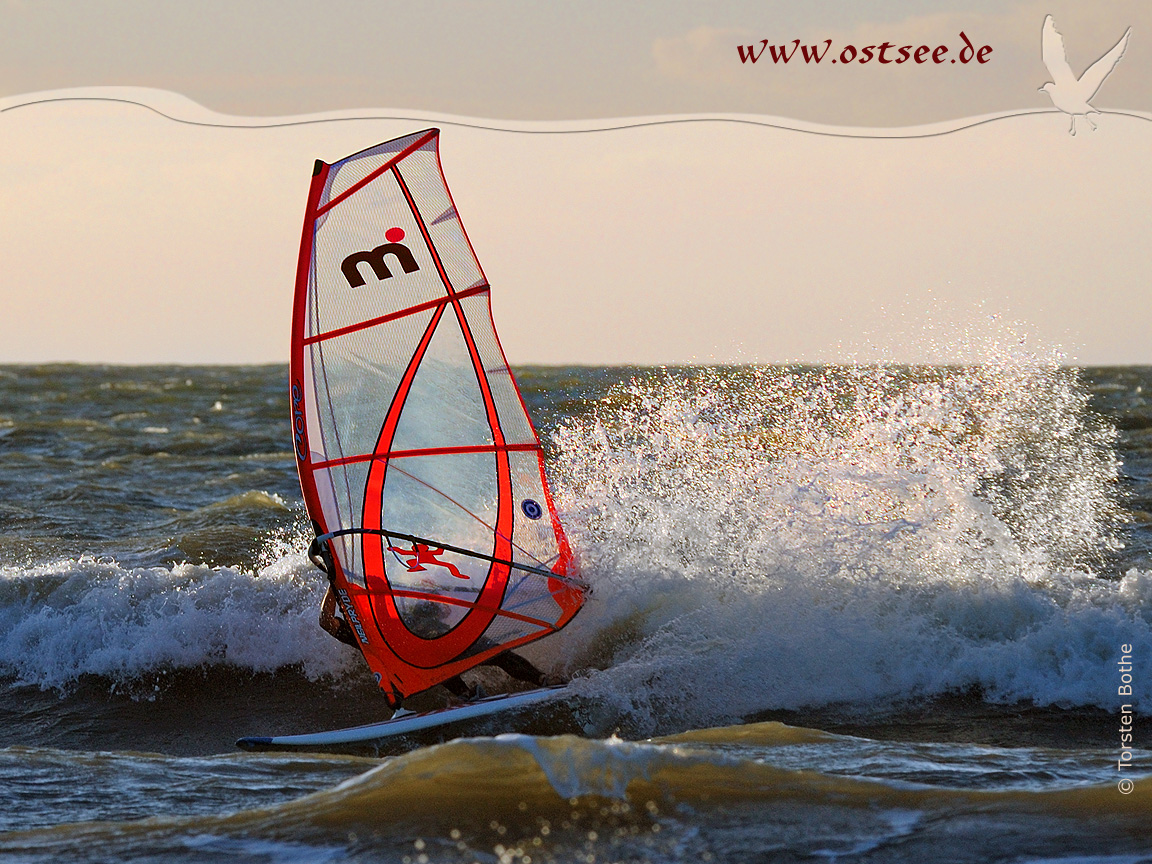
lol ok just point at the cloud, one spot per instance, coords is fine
(703, 55)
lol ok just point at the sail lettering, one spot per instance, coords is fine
(298, 422)
(350, 615)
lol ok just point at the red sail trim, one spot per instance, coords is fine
(392, 316)
(569, 599)
(427, 451)
(374, 490)
(391, 628)
(409, 647)
(356, 187)
(297, 383)
(506, 513)
(468, 604)
(299, 316)
(570, 603)
(404, 678)
(463, 508)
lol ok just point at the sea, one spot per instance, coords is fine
(842, 613)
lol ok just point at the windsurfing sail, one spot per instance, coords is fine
(418, 463)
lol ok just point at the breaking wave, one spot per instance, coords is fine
(809, 537)
(94, 617)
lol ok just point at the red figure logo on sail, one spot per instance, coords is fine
(422, 554)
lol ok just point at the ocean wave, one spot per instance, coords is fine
(857, 535)
(93, 617)
(661, 800)
(758, 539)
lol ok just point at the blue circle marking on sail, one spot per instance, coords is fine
(531, 509)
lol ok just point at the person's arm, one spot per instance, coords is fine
(332, 623)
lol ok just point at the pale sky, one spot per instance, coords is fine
(532, 60)
(128, 237)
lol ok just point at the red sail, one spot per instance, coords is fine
(414, 448)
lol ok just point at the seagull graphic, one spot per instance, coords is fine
(1067, 92)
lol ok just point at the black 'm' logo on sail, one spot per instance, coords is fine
(377, 259)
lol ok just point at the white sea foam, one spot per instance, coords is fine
(773, 540)
(64, 620)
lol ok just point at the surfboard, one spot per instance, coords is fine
(425, 727)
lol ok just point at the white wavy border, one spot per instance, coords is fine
(180, 109)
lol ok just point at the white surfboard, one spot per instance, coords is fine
(408, 723)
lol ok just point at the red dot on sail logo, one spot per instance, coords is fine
(393, 235)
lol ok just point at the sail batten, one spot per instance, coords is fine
(428, 451)
(384, 319)
(419, 466)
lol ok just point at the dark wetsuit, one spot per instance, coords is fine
(515, 665)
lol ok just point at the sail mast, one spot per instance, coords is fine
(418, 463)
